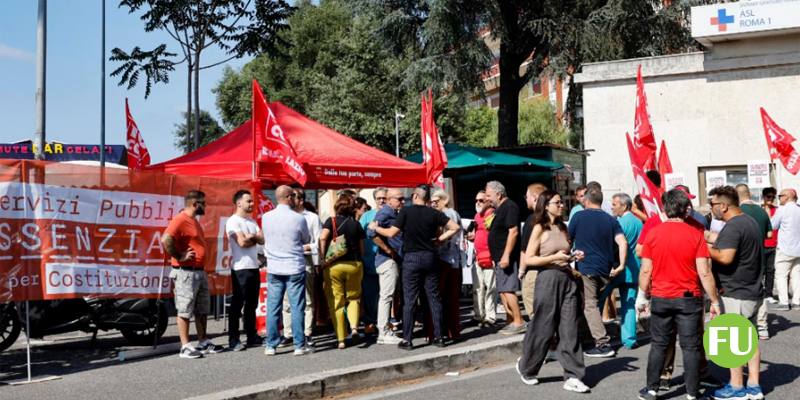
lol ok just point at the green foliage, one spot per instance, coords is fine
(336, 72)
(537, 124)
(209, 131)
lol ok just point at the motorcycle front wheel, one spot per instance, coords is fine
(10, 325)
(148, 336)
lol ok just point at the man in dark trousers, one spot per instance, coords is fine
(420, 225)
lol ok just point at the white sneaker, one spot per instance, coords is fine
(269, 351)
(527, 381)
(303, 351)
(389, 339)
(188, 351)
(575, 385)
(771, 300)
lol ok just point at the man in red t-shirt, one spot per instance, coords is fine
(185, 242)
(483, 283)
(674, 267)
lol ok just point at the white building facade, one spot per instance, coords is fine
(705, 105)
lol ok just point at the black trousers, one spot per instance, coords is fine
(684, 314)
(420, 269)
(246, 284)
(769, 271)
(557, 308)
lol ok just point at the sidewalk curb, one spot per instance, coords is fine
(328, 383)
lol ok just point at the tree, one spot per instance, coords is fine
(535, 36)
(537, 124)
(237, 27)
(210, 130)
(335, 71)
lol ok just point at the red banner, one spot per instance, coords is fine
(275, 147)
(644, 140)
(433, 151)
(647, 190)
(780, 145)
(664, 165)
(138, 156)
(63, 235)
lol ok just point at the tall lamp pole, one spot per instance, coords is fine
(41, 79)
(397, 117)
(103, 90)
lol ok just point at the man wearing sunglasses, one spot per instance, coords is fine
(387, 261)
(484, 289)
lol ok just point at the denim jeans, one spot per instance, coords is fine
(295, 286)
(684, 314)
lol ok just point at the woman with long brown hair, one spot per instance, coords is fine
(557, 297)
(342, 276)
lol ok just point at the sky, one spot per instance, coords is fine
(73, 77)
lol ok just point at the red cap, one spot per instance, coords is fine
(685, 189)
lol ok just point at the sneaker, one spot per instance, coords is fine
(771, 300)
(780, 307)
(729, 392)
(387, 338)
(269, 351)
(527, 381)
(238, 346)
(403, 345)
(648, 394)
(664, 384)
(303, 351)
(754, 392)
(207, 347)
(309, 341)
(512, 329)
(575, 385)
(604, 351)
(763, 333)
(187, 351)
(286, 342)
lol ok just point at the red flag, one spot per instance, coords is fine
(780, 145)
(433, 151)
(647, 190)
(261, 203)
(275, 147)
(664, 165)
(138, 156)
(644, 140)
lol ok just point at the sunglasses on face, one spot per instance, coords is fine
(380, 198)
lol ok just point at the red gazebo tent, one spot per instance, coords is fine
(329, 158)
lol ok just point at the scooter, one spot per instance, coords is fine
(141, 321)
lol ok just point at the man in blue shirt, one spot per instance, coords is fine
(627, 282)
(387, 262)
(369, 284)
(594, 232)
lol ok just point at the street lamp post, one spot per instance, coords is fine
(397, 117)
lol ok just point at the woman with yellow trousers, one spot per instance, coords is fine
(342, 275)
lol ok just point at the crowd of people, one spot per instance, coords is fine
(401, 265)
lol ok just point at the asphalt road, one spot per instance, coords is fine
(95, 373)
(615, 378)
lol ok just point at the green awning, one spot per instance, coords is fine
(459, 156)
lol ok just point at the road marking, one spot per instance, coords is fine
(435, 381)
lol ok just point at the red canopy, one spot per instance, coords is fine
(330, 159)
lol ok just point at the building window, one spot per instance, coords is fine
(708, 177)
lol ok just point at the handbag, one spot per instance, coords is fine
(484, 259)
(338, 246)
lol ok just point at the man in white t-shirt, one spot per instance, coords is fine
(244, 237)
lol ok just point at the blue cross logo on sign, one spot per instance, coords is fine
(722, 20)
